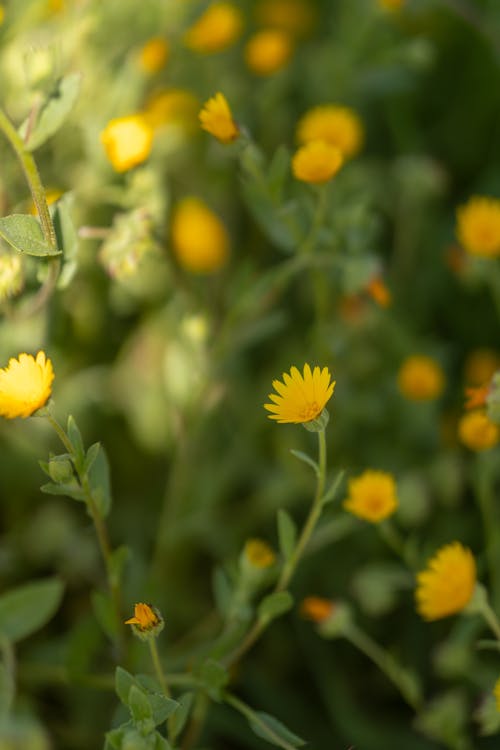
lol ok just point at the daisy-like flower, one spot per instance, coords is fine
(25, 385)
(127, 141)
(146, 622)
(339, 126)
(478, 226)
(372, 496)
(477, 432)
(446, 586)
(316, 162)
(300, 398)
(216, 118)
(420, 378)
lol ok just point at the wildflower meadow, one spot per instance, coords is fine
(250, 374)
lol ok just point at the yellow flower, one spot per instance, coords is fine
(447, 584)
(481, 365)
(25, 385)
(420, 378)
(294, 16)
(216, 29)
(301, 398)
(172, 107)
(372, 496)
(391, 4)
(199, 238)
(496, 693)
(216, 118)
(268, 51)
(11, 275)
(316, 162)
(259, 554)
(478, 226)
(127, 141)
(146, 622)
(316, 608)
(2, 14)
(154, 54)
(477, 431)
(339, 126)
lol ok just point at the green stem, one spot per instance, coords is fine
(153, 648)
(254, 718)
(195, 726)
(490, 617)
(309, 241)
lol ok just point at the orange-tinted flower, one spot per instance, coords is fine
(421, 378)
(147, 622)
(154, 54)
(372, 496)
(379, 292)
(478, 226)
(316, 608)
(216, 29)
(477, 432)
(476, 397)
(339, 126)
(268, 51)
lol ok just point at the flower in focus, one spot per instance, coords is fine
(268, 51)
(316, 608)
(316, 162)
(146, 622)
(127, 141)
(391, 5)
(259, 554)
(420, 378)
(496, 693)
(216, 118)
(478, 226)
(372, 496)
(25, 385)
(481, 365)
(297, 17)
(446, 586)
(338, 126)
(477, 432)
(172, 107)
(154, 54)
(199, 238)
(11, 275)
(379, 292)
(300, 398)
(216, 29)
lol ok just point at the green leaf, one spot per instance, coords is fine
(114, 738)
(104, 612)
(53, 111)
(275, 605)
(24, 233)
(72, 490)
(123, 682)
(28, 608)
(273, 730)
(279, 169)
(332, 490)
(222, 589)
(306, 459)
(75, 438)
(162, 707)
(215, 677)
(91, 456)
(180, 717)
(160, 743)
(287, 534)
(139, 704)
(100, 483)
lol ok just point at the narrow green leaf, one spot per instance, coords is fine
(53, 111)
(76, 440)
(287, 534)
(24, 233)
(28, 608)
(332, 490)
(72, 490)
(103, 610)
(67, 238)
(180, 717)
(273, 730)
(275, 605)
(117, 563)
(139, 704)
(100, 483)
(306, 459)
(222, 589)
(91, 456)
(279, 169)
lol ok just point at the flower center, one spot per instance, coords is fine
(309, 411)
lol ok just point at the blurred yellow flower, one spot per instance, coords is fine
(481, 365)
(301, 398)
(127, 141)
(268, 51)
(199, 238)
(478, 226)
(259, 554)
(11, 275)
(294, 16)
(391, 4)
(339, 126)
(25, 385)
(477, 432)
(316, 608)
(446, 586)
(216, 29)
(316, 162)
(146, 622)
(421, 378)
(372, 496)
(216, 118)
(496, 693)
(154, 54)
(379, 292)
(172, 107)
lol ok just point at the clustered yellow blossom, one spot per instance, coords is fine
(297, 17)
(259, 554)
(127, 141)
(333, 124)
(372, 496)
(477, 432)
(216, 29)
(316, 608)
(147, 621)
(300, 397)
(420, 378)
(153, 55)
(172, 107)
(316, 162)
(478, 226)
(268, 51)
(199, 238)
(446, 586)
(216, 118)
(25, 385)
